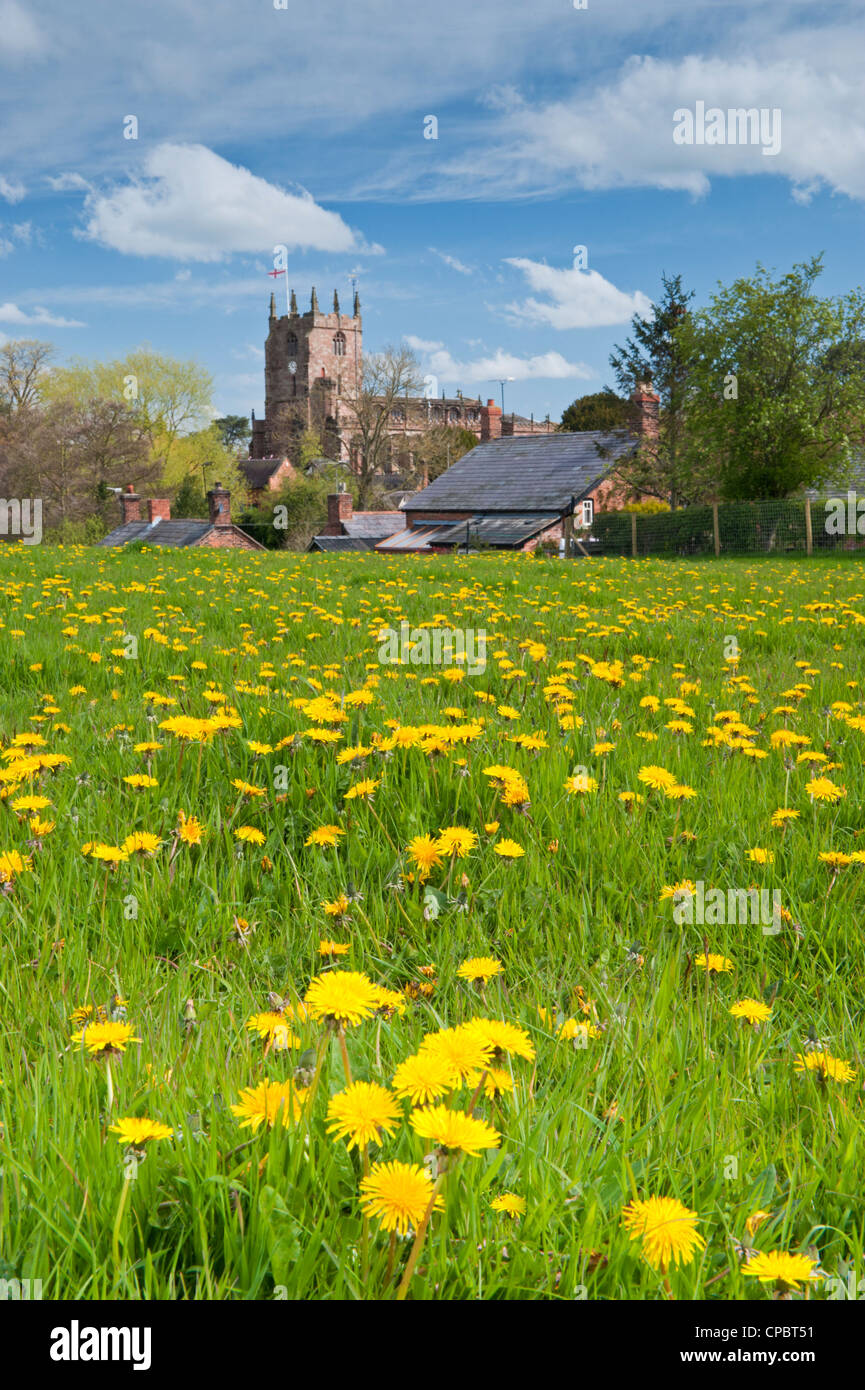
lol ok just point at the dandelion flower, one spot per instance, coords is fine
(780, 1267)
(398, 1194)
(341, 996)
(754, 1010)
(425, 1077)
(508, 849)
(509, 1204)
(454, 1130)
(139, 1131)
(360, 1112)
(104, 1037)
(481, 968)
(325, 836)
(667, 1230)
(714, 964)
(267, 1102)
(829, 1067)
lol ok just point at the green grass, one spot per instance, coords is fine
(675, 1097)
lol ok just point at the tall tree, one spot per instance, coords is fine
(23, 370)
(234, 431)
(777, 382)
(69, 455)
(387, 376)
(656, 355)
(168, 397)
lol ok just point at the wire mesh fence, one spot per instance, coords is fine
(777, 526)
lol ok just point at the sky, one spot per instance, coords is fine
(506, 182)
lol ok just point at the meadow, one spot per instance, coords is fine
(329, 978)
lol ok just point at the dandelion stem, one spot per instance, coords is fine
(345, 1062)
(115, 1234)
(418, 1242)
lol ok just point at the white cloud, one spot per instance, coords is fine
(576, 298)
(619, 134)
(420, 344)
(546, 366)
(452, 262)
(19, 33)
(10, 313)
(66, 183)
(11, 189)
(193, 205)
(6, 246)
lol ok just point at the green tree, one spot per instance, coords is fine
(657, 355)
(166, 396)
(777, 398)
(190, 499)
(234, 431)
(291, 517)
(602, 410)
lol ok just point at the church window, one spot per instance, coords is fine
(339, 344)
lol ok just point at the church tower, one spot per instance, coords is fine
(312, 369)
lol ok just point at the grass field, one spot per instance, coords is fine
(505, 818)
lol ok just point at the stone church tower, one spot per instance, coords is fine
(312, 369)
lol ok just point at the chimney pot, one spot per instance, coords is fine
(130, 504)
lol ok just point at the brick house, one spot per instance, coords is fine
(518, 493)
(156, 527)
(263, 476)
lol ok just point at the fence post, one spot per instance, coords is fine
(809, 536)
(715, 530)
(634, 534)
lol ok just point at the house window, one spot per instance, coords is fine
(453, 415)
(339, 345)
(398, 415)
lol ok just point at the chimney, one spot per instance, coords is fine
(130, 504)
(219, 505)
(491, 421)
(339, 509)
(157, 509)
(646, 402)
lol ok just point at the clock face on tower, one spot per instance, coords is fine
(292, 367)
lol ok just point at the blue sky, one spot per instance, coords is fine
(305, 126)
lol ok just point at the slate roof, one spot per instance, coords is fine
(537, 473)
(336, 543)
(502, 532)
(374, 525)
(175, 533)
(258, 472)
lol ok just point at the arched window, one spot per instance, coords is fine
(339, 344)
(291, 344)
